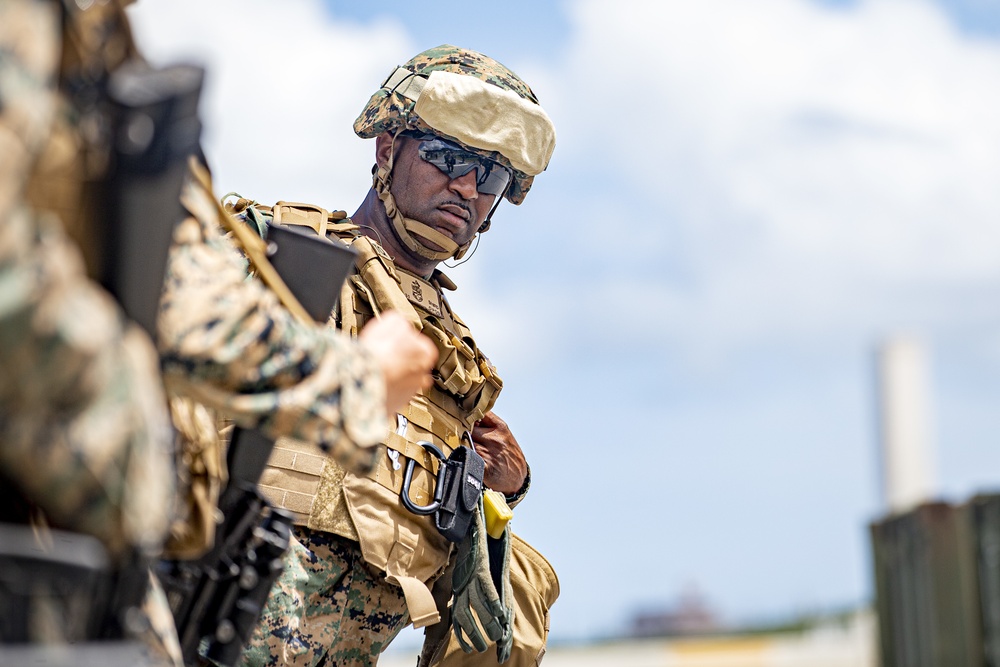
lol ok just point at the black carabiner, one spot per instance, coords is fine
(404, 494)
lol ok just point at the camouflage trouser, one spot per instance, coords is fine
(329, 608)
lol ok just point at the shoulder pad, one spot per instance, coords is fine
(316, 218)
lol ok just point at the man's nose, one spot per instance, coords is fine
(465, 185)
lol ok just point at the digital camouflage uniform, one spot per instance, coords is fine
(329, 607)
(348, 589)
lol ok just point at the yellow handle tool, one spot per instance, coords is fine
(496, 513)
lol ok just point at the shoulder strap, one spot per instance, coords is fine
(377, 272)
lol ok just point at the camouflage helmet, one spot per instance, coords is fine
(470, 99)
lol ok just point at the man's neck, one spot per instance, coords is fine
(375, 224)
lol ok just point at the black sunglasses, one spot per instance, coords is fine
(492, 178)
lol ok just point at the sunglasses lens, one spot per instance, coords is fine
(495, 181)
(491, 178)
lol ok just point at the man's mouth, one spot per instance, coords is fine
(457, 210)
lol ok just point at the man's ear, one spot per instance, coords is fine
(383, 148)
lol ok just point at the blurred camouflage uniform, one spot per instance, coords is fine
(82, 420)
(231, 353)
(85, 443)
(363, 566)
(83, 427)
(228, 343)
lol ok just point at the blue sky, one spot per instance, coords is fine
(744, 200)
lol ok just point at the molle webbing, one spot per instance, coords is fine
(318, 219)
(292, 477)
(296, 469)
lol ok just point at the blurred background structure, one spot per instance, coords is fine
(745, 201)
(905, 409)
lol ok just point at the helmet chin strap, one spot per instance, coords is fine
(408, 230)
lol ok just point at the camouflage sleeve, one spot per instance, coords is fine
(227, 342)
(83, 426)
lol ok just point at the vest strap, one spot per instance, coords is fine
(419, 601)
(412, 450)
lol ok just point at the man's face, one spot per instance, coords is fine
(423, 192)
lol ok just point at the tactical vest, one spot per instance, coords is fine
(323, 496)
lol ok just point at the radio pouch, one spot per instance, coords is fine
(463, 486)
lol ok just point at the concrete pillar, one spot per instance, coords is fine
(905, 424)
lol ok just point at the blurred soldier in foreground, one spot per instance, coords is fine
(85, 444)
(455, 132)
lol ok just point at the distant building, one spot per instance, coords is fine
(690, 615)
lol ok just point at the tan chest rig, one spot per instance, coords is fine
(323, 495)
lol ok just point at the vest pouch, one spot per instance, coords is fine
(463, 482)
(453, 365)
(407, 547)
(477, 403)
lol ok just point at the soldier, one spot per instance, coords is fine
(86, 442)
(455, 132)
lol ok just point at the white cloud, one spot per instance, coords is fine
(820, 168)
(285, 83)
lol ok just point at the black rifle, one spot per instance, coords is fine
(217, 599)
(154, 130)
